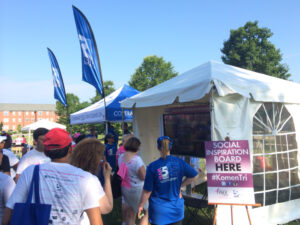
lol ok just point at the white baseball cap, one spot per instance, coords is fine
(2, 138)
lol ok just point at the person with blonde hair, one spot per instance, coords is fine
(88, 155)
(164, 179)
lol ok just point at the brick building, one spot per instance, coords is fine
(13, 115)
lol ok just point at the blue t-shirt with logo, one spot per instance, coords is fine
(163, 179)
(110, 154)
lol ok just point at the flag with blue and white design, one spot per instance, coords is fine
(91, 72)
(59, 88)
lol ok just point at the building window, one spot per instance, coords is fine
(20, 120)
(14, 113)
(26, 120)
(14, 120)
(6, 113)
(26, 113)
(6, 120)
(13, 127)
(51, 119)
(40, 113)
(275, 152)
(32, 113)
(5, 127)
(20, 113)
(47, 113)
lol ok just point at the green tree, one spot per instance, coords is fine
(19, 128)
(108, 89)
(249, 47)
(74, 106)
(154, 70)
(1, 126)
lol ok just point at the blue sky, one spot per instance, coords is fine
(186, 33)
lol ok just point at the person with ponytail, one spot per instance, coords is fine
(164, 179)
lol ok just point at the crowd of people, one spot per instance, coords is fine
(75, 178)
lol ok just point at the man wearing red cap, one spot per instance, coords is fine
(69, 190)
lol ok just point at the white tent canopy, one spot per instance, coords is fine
(43, 123)
(236, 96)
(196, 83)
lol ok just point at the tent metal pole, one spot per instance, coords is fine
(123, 120)
(211, 109)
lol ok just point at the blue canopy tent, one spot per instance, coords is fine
(96, 113)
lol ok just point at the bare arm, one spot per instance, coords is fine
(17, 177)
(188, 181)
(106, 202)
(142, 173)
(145, 196)
(94, 215)
(6, 216)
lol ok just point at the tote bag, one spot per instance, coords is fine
(31, 213)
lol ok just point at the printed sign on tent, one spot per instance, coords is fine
(229, 173)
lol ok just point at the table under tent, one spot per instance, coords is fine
(214, 101)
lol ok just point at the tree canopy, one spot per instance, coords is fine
(154, 70)
(249, 47)
(108, 89)
(74, 105)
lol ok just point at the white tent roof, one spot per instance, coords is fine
(196, 83)
(43, 123)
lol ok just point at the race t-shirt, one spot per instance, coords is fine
(163, 179)
(68, 189)
(110, 155)
(7, 186)
(133, 167)
(13, 160)
(32, 157)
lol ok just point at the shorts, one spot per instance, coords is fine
(176, 223)
(132, 197)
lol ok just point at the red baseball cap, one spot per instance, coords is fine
(57, 138)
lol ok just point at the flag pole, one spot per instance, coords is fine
(98, 60)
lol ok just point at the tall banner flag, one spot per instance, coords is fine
(59, 87)
(91, 71)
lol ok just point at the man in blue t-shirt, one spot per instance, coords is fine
(164, 179)
(111, 151)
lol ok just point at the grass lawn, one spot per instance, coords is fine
(190, 218)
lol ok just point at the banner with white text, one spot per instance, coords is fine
(229, 172)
